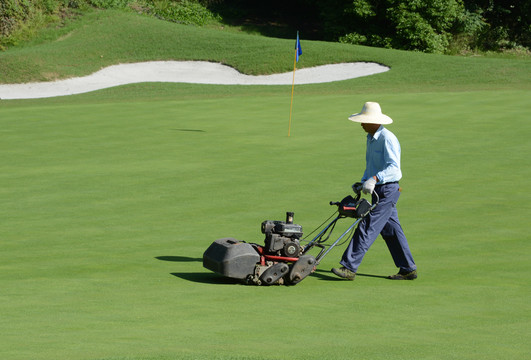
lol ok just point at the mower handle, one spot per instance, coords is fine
(358, 195)
(377, 199)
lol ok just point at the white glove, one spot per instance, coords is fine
(368, 185)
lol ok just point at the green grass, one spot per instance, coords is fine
(110, 198)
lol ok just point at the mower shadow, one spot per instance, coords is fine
(198, 277)
(178, 258)
(207, 278)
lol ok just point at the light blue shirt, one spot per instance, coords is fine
(382, 157)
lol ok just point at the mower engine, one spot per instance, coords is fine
(282, 238)
(279, 261)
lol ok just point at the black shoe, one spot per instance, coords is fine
(404, 275)
(344, 273)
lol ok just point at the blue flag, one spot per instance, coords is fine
(298, 47)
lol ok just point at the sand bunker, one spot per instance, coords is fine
(196, 72)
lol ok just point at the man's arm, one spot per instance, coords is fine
(392, 171)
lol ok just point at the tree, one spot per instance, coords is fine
(507, 23)
(403, 24)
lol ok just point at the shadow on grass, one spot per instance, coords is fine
(198, 277)
(190, 130)
(179, 258)
(325, 275)
(374, 276)
(206, 278)
(329, 276)
(213, 278)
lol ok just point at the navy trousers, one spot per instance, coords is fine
(382, 220)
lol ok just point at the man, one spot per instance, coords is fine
(381, 175)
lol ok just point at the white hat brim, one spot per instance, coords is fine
(371, 118)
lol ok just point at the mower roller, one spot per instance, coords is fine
(282, 259)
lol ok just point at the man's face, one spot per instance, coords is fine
(370, 128)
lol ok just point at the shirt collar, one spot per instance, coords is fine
(376, 134)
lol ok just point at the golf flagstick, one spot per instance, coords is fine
(298, 52)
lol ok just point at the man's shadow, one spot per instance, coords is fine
(329, 276)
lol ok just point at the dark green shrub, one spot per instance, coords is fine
(183, 12)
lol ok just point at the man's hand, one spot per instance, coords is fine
(368, 185)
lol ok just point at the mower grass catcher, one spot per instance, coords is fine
(282, 259)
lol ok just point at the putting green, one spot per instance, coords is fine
(108, 206)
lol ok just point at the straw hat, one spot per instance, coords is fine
(371, 114)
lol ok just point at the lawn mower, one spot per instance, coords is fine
(283, 260)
